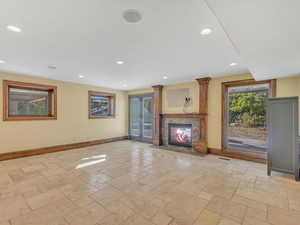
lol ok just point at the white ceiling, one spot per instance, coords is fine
(266, 33)
(88, 37)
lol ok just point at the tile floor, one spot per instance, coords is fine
(129, 183)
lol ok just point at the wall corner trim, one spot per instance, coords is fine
(203, 109)
(157, 110)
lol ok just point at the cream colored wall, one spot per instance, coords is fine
(215, 108)
(288, 87)
(214, 103)
(140, 91)
(72, 124)
(194, 94)
(285, 87)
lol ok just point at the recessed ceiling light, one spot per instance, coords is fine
(14, 28)
(120, 62)
(2, 61)
(233, 64)
(52, 67)
(81, 76)
(165, 77)
(124, 85)
(206, 31)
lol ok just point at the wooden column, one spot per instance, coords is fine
(203, 110)
(157, 110)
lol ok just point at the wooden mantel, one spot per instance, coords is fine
(202, 114)
(183, 115)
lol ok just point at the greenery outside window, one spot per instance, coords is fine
(27, 101)
(101, 105)
(244, 116)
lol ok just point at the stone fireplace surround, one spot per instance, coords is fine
(198, 120)
(174, 139)
(188, 118)
(195, 132)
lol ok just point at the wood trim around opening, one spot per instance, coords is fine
(249, 155)
(112, 104)
(157, 111)
(183, 115)
(202, 145)
(57, 148)
(30, 86)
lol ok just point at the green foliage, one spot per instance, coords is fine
(32, 108)
(249, 108)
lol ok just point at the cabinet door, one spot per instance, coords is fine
(283, 126)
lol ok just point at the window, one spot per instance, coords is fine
(26, 101)
(244, 116)
(101, 105)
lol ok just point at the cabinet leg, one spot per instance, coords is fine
(269, 172)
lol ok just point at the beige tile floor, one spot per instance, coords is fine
(129, 183)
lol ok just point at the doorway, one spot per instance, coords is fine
(141, 117)
(244, 105)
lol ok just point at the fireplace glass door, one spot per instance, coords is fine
(180, 134)
(141, 117)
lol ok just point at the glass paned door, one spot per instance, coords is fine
(246, 117)
(135, 116)
(141, 117)
(147, 117)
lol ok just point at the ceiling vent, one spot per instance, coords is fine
(132, 16)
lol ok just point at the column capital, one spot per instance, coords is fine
(204, 80)
(157, 86)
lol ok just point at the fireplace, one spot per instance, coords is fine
(180, 134)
